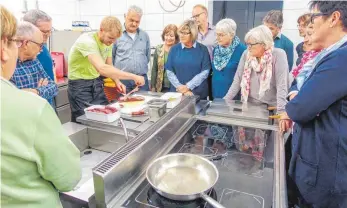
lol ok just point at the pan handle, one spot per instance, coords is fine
(211, 201)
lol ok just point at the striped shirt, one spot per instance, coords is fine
(28, 74)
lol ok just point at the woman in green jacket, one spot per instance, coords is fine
(159, 80)
(37, 158)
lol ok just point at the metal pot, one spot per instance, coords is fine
(157, 108)
(183, 177)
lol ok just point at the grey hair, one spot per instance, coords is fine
(260, 34)
(227, 26)
(26, 30)
(274, 17)
(34, 16)
(191, 26)
(136, 9)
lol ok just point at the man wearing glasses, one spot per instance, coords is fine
(44, 22)
(29, 74)
(206, 35)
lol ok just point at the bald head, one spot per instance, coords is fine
(32, 40)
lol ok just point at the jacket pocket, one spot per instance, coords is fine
(305, 175)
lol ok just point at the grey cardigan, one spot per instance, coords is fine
(276, 95)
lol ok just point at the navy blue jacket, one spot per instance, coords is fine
(319, 162)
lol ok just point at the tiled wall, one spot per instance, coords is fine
(154, 19)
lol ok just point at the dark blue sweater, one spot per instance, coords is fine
(186, 63)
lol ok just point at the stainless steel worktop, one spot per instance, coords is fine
(119, 180)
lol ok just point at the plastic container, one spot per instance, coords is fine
(173, 99)
(102, 117)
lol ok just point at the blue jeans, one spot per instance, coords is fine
(130, 84)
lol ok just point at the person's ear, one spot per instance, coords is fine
(5, 56)
(335, 17)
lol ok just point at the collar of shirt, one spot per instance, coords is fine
(26, 62)
(279, 35)
(137, 30)
(183, 46)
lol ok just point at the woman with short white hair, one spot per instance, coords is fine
(262, 74)
(226, 57)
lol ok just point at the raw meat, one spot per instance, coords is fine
(131, 99)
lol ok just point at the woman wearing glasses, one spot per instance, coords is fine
(29, 74)
(262, 74)
(226, 57)
(319, 146)
(188, 64)
(37, 158)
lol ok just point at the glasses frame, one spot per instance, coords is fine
(38, 44)
(197, 16)
(315, 15)
(18, 42)
(250, 45)
(184, 33)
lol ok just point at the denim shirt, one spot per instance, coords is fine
(132, 55)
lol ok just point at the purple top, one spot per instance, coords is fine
(209, 39)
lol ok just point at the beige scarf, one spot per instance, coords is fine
(264, 66)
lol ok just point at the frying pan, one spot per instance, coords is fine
(183, 177)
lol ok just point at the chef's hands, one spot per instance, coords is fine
(120, 86)
(285, 123)
(139, 80)
(182, 89)
(42, 82)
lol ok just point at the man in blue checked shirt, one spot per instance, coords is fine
(29, 74)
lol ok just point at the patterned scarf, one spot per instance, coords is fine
(305, 58)
(264, 67)
(160, 73)
(310, 65)
(221, 55)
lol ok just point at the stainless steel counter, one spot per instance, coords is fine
(119, 176)
(239, 111)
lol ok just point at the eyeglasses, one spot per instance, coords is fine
(46, 32)
(250, 45)
(39, 44)
(184, 33)
(197, 16)
(315, 15)
(19, 43)
(220, 35)
(301, 26)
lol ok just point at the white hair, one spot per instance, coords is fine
(227, 26)
(261, 34)
(136, 9)
(26, 30)
(34, 16)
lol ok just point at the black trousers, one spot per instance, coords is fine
(83, 93)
